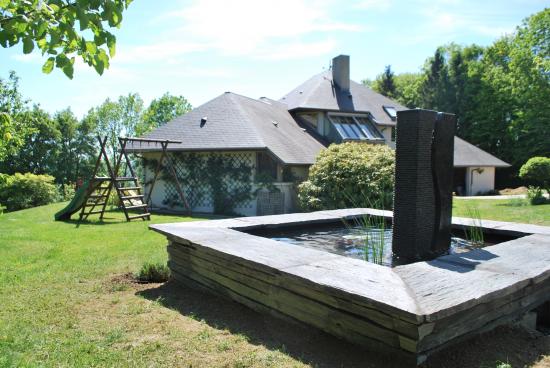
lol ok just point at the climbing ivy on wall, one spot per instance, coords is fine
(222, 180)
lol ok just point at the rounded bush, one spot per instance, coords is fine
(537, 171)
(350, 175)
(22, 191)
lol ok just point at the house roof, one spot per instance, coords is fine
(236, 122)
(321, 93)
(467, 155)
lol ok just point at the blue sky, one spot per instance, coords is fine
(202, 48)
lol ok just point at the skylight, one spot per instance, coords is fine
(390, 110)
(355, 127)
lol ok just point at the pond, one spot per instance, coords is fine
(355, 241)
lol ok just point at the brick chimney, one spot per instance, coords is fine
(340, 72)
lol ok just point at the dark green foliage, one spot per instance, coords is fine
(12, 130)
(349, 174)
(229, 182)
(51, 26)
(162, 110)
(153, 272)
(536, 196)
(59, 146)
(385, 83)
(499, 93)
(537, 171)
(22, 191)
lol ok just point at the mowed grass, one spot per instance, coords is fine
(512, 210)
(64, 303)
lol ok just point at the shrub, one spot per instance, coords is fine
(21, 191)
(537, 171)
(349, 174)
(535, 196)
(153, 272)
(66, 192)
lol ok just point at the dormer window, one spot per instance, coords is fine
(351, 127)
(392, 113)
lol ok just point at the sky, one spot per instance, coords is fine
(202, 48)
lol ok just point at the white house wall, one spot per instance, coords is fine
(479, 180)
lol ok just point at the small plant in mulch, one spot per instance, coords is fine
(153, 272)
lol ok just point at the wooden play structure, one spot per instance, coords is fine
(93, 195)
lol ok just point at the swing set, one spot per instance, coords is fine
(92, 197)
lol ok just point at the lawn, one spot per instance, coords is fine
(66, 300)
(513, 210)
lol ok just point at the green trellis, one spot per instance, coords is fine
(222, 181)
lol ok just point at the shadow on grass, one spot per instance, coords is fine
(306, 344)
(319, 349)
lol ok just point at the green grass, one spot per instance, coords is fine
(513, 210)
(67, 300)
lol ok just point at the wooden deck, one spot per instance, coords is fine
(413, 310)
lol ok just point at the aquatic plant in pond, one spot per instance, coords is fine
(474, 232)
(372, 229)
(372, 232)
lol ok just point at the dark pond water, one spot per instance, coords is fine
(370, 244)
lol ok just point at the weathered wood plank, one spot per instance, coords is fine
(301, 286)
(294, 305)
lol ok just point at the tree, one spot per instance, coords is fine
(116, 119)
(38, 152)
(386, 83)
(537, 170)
(12, 104)
(407, 86)
(50, 25)
(435, 86)
(162, 110)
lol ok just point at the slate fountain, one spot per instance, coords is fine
(429, 301)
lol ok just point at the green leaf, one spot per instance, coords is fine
(111, 44)
(28, 45)
(91, 47)
(68, 70)
(61, 60)
(48, 65)
(4, 3)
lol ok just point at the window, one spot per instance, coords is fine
(393, 134)
(390, 110)
(369, 128)
(355, 127)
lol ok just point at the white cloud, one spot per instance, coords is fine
(379, 5)
(28, 58)
(297, 50)
(248, 27)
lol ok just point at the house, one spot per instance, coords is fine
(247, 154)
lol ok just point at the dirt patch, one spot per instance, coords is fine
(513, 191)
(171, 325)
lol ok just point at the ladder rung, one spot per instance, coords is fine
(102, 178)
(125, 178)
(136, 206)
(132, 196)
(94, 212)
(98, 196)
(94, 204)
(129, 188)
(139, 216)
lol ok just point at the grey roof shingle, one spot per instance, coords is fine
(467, 155)
(320, 93)
(237, 122)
